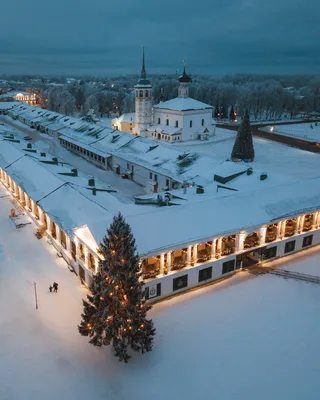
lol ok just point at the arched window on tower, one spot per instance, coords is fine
(147, 93)
(141, 93)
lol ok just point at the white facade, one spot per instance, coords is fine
(176, 120)
(194, 124)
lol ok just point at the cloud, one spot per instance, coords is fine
(68, 36)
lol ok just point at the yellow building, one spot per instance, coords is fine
(124, 123)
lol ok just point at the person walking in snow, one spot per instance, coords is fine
(55, 287)
(50, 288)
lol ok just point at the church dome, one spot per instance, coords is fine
(184, 78)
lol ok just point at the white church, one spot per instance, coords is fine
(176, 120)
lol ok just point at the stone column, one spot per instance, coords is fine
(21, 198)
(76, 241)
(263, 231)
(297, 228)
(26, 201)
(161, 263)
(219, 243)
(33, 206)
(68, 243)
(41, 216)
(97, 262)
(58, 232)
(283, 229)
(301, 223)
(240, 240)
(317, 220)
(169, 261)
(49, 225)
(195, 253)
(189, 255)
(86, 257)
(213, 249)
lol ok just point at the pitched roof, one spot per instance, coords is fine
(183, 104)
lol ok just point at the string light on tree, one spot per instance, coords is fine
(115, 312)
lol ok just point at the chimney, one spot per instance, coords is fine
(75, 171)
(29, 146)
(43, 154)
(91, 182)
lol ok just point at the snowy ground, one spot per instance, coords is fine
(246, 338)
(50, 145)
(274, 158)
(308, 131)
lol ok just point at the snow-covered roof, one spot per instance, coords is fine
(127, 117)
(166, 129)
(195, 218)
(183, 104)
(6, 105)
(14, 93)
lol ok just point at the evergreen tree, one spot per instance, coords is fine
(223, 111)
(232, 114)
(243, 145)
(216, 112)
(115, 312)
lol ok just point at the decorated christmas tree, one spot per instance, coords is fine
(216, 113)
(232, 114)
(243, 146)
(115, 313)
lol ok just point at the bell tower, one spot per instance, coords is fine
(143, 91)
(184, 81)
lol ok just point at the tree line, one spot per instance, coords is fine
(266, 97)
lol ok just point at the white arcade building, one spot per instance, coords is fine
(176, 120)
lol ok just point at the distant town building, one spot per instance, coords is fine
(25, 97)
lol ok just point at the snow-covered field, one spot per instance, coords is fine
(278, 160)
(246, 338)
(308, 131)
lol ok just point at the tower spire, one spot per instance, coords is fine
(143, 69)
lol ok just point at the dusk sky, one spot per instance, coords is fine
(98, 37)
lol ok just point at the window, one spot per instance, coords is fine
(167, 122)
(177, 124)
(103, 160)
(270, 253)
(156, 177)
(307, 241)
(91, 154)
(228, 266)
(202, 122)
(99, 158)
(159, 121)
(153, 291)
(150, 175)
(128, 166)
(141, 93)
(190, 124)
(205, 274)
(147, 93)
(181, 282)
(167, 182)
(290, 246)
